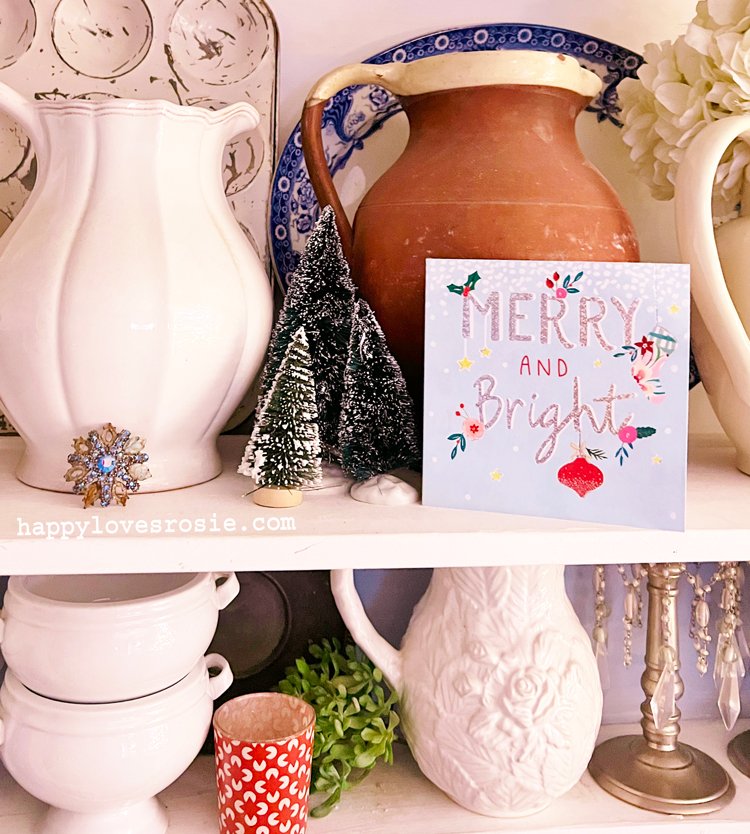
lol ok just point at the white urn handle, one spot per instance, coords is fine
(695, 235)
(26, 114)
(379, 650)
(224, 593)
(218, 684)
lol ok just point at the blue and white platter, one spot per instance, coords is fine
(364, 131)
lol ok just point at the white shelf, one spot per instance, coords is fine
(332, 530)
(398, 799)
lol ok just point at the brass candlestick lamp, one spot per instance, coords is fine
(738, 751)
(654, 770)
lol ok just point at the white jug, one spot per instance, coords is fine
(499, 692)
(128, 292)
(719, 282)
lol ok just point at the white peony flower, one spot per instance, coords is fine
(683, 86)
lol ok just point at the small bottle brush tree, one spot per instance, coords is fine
(320, 298)
(284, 449)
(376, 431)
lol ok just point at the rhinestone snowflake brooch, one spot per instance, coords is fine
(107, 466)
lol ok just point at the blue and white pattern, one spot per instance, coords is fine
(354, 114)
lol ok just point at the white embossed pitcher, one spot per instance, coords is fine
(720, 285)
(500, 696)
(128, 292)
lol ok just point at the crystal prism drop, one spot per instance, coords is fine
(663, 701)
(729, 697)
(738, 654)
(602, 664)
(742, 644)
(719, 660)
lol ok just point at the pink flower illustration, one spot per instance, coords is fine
(560, 292)
(473, 429)
(646, 376)
(628, 434)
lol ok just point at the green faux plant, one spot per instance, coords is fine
(355, 720)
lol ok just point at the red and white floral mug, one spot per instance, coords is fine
(264, 747)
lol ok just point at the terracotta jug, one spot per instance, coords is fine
(492, 169)
(499, 691)
(720, 326)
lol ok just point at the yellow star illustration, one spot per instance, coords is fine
(597, 363)
(465, 363)
(496, 476)
(656, 459)
(674, 309)
(486, 352)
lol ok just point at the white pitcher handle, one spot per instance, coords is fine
(26, 114)
(379, 650)
(225, 592)
(695, 235)
(218, 684)
(238, 118)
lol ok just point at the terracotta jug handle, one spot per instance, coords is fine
(695, 235)
(25, 113)
(379, 650)
(387, 76)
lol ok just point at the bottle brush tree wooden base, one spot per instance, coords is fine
(277, 497)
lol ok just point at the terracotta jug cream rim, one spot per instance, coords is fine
(464, 69)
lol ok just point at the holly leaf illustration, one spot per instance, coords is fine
(573, 289)
(471, 281)
(645, 431)
(456, 288)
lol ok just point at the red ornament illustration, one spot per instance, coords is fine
(581, 476)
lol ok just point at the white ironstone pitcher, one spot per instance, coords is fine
(719, 285)
(128, 292)
(500, 696)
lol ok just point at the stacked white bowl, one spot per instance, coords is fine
(108, 696)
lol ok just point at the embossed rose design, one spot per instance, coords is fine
(530, 695)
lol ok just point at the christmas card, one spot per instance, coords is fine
(558, 389)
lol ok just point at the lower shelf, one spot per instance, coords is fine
(397, 799)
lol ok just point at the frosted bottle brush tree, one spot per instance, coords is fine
(377, 431)
(284, 448)
(684, 85)
(320, 298)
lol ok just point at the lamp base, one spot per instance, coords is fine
(683, 781)
(738, 751)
